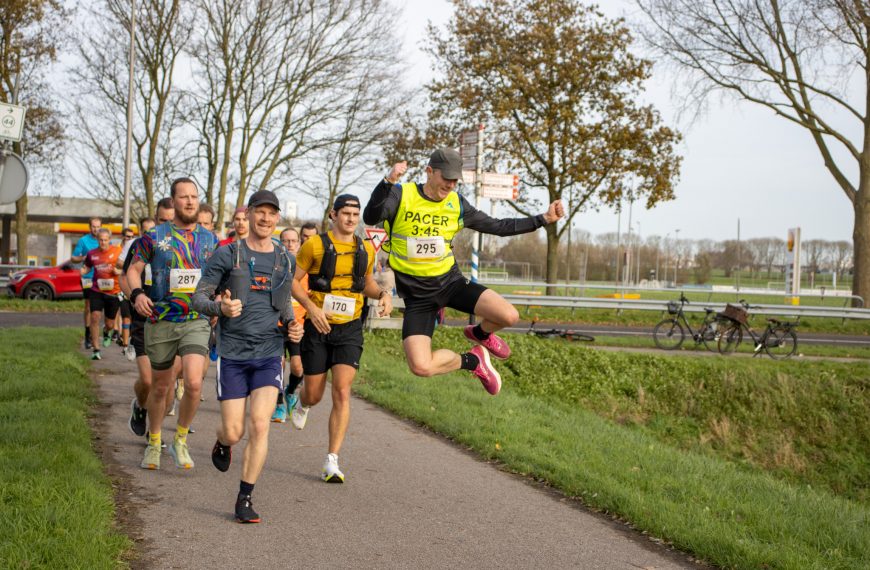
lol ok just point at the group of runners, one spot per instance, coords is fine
(292, 307)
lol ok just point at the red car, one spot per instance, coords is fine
(61, 282)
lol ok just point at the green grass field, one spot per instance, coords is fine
(743, 462)
(57, 505)
(9, 304)
(746, 347)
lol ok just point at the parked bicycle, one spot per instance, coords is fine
(778, 340)
(670, 333)
(570, 335)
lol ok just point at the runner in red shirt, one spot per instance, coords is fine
(241, 227)
(103, 294)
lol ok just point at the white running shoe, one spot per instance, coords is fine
(331, 472)
(299, 415)
(130, 353)
(171, 411)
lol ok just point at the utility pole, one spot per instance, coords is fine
(128, 159)
(738, 255)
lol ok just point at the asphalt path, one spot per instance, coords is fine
(411, 500)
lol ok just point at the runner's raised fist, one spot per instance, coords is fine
(397, 171)
(555, 212)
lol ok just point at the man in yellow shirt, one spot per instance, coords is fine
(339, 269)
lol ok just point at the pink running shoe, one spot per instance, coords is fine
(494, 344)
(489, 376)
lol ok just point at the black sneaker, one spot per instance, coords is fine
(222, 456)
(244, 511)
(88, 344)
(137, 422)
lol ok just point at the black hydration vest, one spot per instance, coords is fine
(239, 279)
(322, 281)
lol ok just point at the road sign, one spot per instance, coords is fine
(377, 236)
(469, 147)
(468, 138)
(500, 186)
(13, 178)
(11, 121)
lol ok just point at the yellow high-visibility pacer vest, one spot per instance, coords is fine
(422, 233)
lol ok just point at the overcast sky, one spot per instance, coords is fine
(740, 161)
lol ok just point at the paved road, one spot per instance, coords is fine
(411, 500)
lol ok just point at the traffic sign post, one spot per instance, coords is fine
(377, 236)
(11, 122)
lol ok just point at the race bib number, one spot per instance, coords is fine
(106, 284)
(184, 280)
(148, 277)
(425, 248)
(339, 308)
(87, 283)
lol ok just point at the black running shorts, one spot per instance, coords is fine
(342, 345)
(100, 302)
(126, 309)
(461, 295)
(137, 337)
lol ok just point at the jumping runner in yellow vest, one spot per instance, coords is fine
(421, 222)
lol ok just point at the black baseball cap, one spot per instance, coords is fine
(448, 162)
(261, 197)
(343, 200)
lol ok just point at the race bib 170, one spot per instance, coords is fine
(339, 309)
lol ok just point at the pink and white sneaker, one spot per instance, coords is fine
(494, 344)
(489, 376)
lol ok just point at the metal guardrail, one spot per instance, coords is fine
(582, 287)
(559, 301)
(661, 305)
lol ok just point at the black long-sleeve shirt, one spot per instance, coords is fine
(384, 205)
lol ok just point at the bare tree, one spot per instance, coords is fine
(794, 57)
(813, 254)
(30, 34)
(271, 75)
(841, 257)
(100, 112)
(353, 139)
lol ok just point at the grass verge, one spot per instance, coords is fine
(8, 304)
(743, 464)
(57, 504)
(819, 350)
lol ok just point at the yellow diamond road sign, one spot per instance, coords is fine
(11, 121)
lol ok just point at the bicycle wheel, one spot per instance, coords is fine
(730, 338)
(669, 334)
(781, 343)
(709, 333)
(572, 336)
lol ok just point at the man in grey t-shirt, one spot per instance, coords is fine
(254, 276)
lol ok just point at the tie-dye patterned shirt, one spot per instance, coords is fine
(185, 249)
